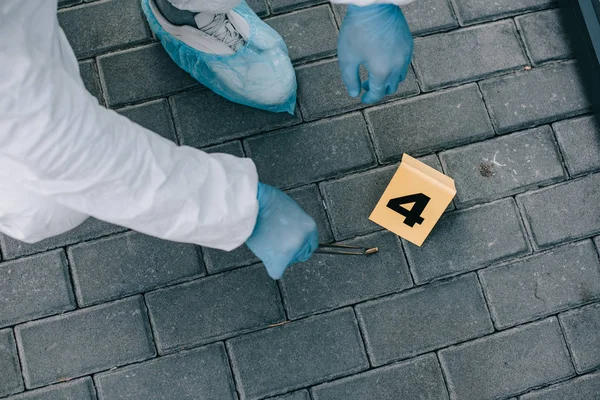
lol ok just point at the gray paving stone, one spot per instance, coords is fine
(429, 16)
(10, 378)
(302, 395)
(214, 308)
(297, 354)
(203, 118)
(351, 199)
(197, 374)
(429, 123)
(582, 331)
(312, 152)
(154, 115)
(279, 6)
(309, 34)
(102, 26)
(579, 140)
(535, 97)
(259, 7)
(234, 148)
(79, 389)
(424, 319)
(507, 363)
(219, 261)
(322, 93)
(467, 55)
(468, 239)
(563, 212)
(583, 388)
(332, 281)
(309, 198)
(67, 3)
(89, 75)
(545, 36)
(423, 16)
(127, 264)
(503, 166)
(84, 342)
(473, 11)
(141, 73)
(420, 378)
(90, 229)
(35, 287)
(543, 284)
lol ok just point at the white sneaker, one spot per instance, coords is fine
(251, 75)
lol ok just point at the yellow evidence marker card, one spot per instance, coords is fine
(414, 201)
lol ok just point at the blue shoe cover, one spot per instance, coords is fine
(259, 75)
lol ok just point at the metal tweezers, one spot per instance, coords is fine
(347, 250)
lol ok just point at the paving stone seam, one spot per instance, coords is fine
(151, 332)
(486, 301)
(488, 111)
(370, 134)
(20, 357)
(561, 156)
(564, 335)
(229, 358)
(413, 279)
(283, 302)
(564, 380)
(74, 288)
(522, 43)
(325, 208)
(444, 377)
(103, 96)
(363, 337)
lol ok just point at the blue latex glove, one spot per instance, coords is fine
(284, 234)
(377, 37)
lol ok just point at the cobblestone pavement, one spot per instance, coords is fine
(501, 302)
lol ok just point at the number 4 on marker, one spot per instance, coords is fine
(412, 216)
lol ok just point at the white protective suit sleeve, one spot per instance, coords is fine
(60, 144)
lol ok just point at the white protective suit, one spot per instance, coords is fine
(63, 157)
